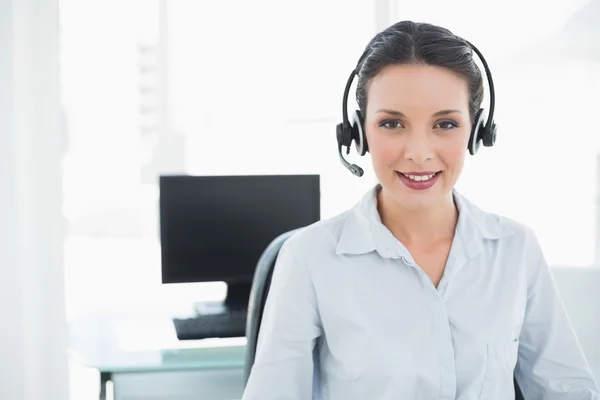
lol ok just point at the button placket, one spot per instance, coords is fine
(442, 332)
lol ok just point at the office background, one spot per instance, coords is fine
(130, 89)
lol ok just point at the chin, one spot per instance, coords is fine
(418, 202)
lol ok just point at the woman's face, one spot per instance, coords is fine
(417, 126)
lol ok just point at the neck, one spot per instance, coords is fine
(419, 228)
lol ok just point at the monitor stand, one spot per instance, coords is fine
(238, 295)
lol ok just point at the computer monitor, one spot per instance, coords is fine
(215, 228)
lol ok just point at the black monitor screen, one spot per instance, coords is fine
(215, 228)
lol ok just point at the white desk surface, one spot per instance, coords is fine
(126, 342)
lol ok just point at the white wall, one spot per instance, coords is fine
(32, 328)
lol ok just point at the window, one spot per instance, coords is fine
(154, 87)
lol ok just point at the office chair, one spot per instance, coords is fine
(258, 297)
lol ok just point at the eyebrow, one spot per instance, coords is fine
(399, 114)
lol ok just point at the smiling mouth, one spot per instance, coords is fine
(420, 177)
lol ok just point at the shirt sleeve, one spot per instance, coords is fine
(551, 363)
(283, 368)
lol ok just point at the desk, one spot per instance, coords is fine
(142, 351)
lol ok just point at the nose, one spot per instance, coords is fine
(419, 149)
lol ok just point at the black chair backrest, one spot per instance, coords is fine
(258, 296)
(518, 394)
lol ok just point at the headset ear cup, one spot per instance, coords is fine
(489, 137)
(476, 132)
(358, 133)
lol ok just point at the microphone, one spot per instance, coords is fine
(355, 169)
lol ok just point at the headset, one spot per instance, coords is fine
(346, 132)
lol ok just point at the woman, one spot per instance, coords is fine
(416, 293)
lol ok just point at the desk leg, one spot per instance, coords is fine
(104, 378)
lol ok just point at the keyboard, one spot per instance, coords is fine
(228, 324)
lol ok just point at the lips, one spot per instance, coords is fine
(420, 176)
(419, 180)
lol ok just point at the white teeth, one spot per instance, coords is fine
(419, 178)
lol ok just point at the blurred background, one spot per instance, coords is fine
(150, 87)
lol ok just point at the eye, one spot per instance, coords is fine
(391, 124)
(446, 125)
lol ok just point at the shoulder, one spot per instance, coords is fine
(319, 238)
(519, 230)
(497, 226)
(525, 239)
(512, 244)
(516, 240)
